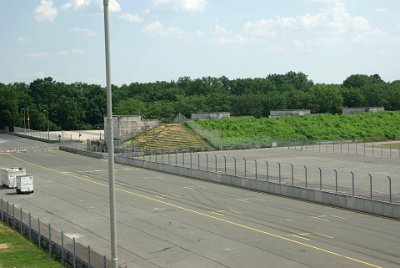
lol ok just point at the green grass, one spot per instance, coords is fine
(315, 127)
(16, 251)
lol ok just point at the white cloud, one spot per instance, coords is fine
(180, 5)
(37, 54)
(71, 52)
(45, 11)
(332, 25)
(84, 31)
(274, 49)
(156, 28)
(78, 4)
(39, 74)
(22, 39)
(130, 17)
(381, 10)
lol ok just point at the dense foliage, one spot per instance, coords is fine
(318, 127)
(82, 106)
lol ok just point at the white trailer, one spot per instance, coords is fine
(24, 184)
(9, 176)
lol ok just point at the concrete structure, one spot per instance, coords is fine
(358, 110)
(126, 126)
(277, 113)
(210, 116)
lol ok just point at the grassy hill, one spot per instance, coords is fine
(315, 127)
(170, 136)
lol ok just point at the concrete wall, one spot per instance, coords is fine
(126, 126)
(354, 203)
(358, 110)
(289, 112)
(211, 116)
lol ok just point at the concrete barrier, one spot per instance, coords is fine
(375, 207)
(81, 152)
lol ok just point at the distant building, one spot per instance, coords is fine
(210, 116)
(358, 110)
(126, 126)
(293, 112)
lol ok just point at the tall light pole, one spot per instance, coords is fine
(24, 119)
(110, 142)
(29, 126)
(47, 117)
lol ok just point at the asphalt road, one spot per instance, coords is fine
(171, 221)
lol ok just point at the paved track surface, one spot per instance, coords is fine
(170, 221)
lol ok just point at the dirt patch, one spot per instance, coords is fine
(4, 246)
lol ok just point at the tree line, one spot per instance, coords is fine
(82, 106)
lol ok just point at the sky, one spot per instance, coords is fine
(162, 40)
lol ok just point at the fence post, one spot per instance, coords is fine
(169, 158)
(198, 161)
(255, 165)
(370, 186)
(207, 161)
(62, 248)
(305, 174)
(319, 146)
(162, 156)
(88, 257)
(183, 159)
(381, 151)
(279, 170)
(320, 178)
(352, 183)
(20, 220)
(74, 252)
(333, 147)
(335, 179)
(30, 227)
(191, 160)
(234, 161)
(245, 167)
(2, 211)
(364, 146)
(105, 261)
(216, 163)
(292, 173)
(224, 164)
(49, 240)
(176, 159)
(39, 235)
(266, 165)
(372, 149)
(348, 148)
(390, 189)
(13, 217)
(390, 150)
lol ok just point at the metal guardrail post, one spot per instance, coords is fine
(49, 239)
(364, 147)
(320, 178)
(20, 219)
(216, 163)
(352, 183)
(234, 161)
(267, 169)
(30, 227)
(333, 147)
(390, 189)
(198, 161)
(279, 172)
(348, 148)
(224, 164)
(176, 159)
(336, 186)
(104, 261)
(62, 248)
(372, 149)
(390, 150)
(74, 252)
(13, 217)
(245, 167)
(169, 158)
(183, 159)
(292, 173)
(88, 257)
(319, 146)
(370, 186)
(191, 160)
(207, 161)
(39, 235)
(305, 175)
(255, 165)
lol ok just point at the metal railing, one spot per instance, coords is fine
(59, 246)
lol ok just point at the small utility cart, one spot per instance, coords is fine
(25, 184)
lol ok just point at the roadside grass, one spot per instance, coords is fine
(17, 251)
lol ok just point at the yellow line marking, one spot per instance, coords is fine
(324, 235)
(176, 195)
(234, 211)
(244, 200)
(304, 234)
(66, 172)
(211, 217)
(338, 217)
(188, 187)
(159, 197)
(216, 213)
(301, 237)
